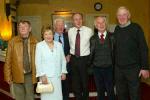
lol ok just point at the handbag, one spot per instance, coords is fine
(44, 88)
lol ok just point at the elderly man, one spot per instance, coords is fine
(79, 39)
(62, 37)
(102, 59)
(19, 68)
(131, 56)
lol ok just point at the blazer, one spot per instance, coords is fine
(50, 62)
(66, 44)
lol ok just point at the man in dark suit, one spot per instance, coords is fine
(131, 53)
(101, 46)
(62, 37)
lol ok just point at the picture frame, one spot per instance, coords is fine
(67, 17)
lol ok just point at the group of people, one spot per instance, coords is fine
(119, 58)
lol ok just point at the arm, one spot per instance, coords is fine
(38, 61)
(7, 66)
(63, 64)
(143, 53)
(143, 49)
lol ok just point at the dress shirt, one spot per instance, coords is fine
(85, 35)
(99, 34)
(56, 38)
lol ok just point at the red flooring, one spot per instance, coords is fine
(145, 89)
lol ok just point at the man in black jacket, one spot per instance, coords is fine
(131, 53)
(62, 37)
(101, 58)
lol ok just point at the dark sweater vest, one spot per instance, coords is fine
(102, 56)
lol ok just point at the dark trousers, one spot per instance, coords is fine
(80, 77)
(127, 83)
(104, 82)
(65, 87)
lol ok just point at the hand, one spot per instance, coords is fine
(63, 76)
(44, 79)
(144, 73)
(68, 58)
(9, 82)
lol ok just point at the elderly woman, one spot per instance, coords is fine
(50, 64)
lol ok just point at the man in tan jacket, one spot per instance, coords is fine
(19, 68)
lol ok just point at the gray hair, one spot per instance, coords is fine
(58, 20)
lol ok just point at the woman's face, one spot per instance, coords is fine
(48, 36)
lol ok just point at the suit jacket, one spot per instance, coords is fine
(66, 44)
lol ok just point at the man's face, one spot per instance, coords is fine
(24, 29)
(59, 27)
(77, 20)
(123, 16)
(100, 24)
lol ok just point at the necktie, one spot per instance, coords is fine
(102, 38)
(26, 63)
(60, 39)
(77, 44)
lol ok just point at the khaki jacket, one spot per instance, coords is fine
(13, 68)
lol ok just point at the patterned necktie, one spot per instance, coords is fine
(102, 38)
(26, 63)
(60, 39)
(77, 44)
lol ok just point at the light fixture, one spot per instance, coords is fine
(6, 29)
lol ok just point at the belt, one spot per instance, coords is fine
(79, 56)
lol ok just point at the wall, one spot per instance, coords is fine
(139, 9)
(2, 14)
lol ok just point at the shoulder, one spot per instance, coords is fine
(110, 33)
(14, 39)
(65, 35)
(93, 37)
(71, 29)
(40, 43)
(33, 39)
(87, 28)
(117, 27)
(136, 25)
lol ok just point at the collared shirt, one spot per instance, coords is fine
(85, 35)
(99, 34)
(56, 38)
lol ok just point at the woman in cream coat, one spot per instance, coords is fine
(50, 64)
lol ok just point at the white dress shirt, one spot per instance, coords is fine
(85, 35)
(99, 34)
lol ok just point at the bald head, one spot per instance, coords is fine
(123, 15)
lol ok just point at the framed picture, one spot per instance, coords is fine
(67, 17)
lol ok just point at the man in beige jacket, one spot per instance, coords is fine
(19, 68)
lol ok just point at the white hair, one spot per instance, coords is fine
(103, 17)
(58, 20)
